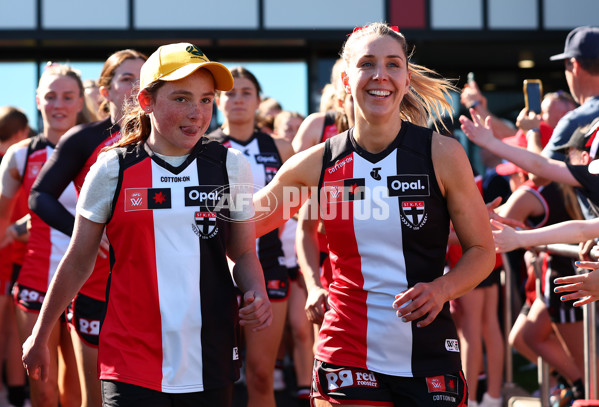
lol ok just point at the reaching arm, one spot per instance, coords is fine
(74, 269)
(481, 134)
(62, 167)
(289, 189)
(583, 287)
(572, 231)
(308, 257)
(471, 96)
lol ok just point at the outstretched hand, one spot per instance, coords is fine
(505, 237)
(255, 312)
(491, 206)
(477, 130)
(582, 287)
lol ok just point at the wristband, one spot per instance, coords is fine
(473, 105)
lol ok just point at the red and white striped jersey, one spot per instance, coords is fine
(46, 245)
(171, 313)
(387, 225)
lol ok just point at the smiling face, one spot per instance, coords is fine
(377, 77)
(239, 105)
(59, 100)
(180, 112)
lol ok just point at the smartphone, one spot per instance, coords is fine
(533, 93)
(470, 77)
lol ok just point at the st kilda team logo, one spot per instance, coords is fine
(413, 214)
(205, 225)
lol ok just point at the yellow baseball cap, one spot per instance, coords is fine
(176, 61)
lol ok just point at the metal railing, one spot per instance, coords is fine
(589, 327)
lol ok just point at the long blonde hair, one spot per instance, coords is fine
(429, 92)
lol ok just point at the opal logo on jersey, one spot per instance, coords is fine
(413, 214)
(266, 158)
(408, 185)
(206, 196)
(452, 345)
(205, 225)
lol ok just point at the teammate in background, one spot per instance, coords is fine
(14, 127)
(93, 99)
(286, 124)
(267, 110)
(266, 154)
(319, 126)
(300, 329)
(388, 331)
(75, 153)
(61, 103)
(312, 246)
(168, 243)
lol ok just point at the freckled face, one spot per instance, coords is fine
(180, 113)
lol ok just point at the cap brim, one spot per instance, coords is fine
(594, 167)
(559, 57)
(223, 80)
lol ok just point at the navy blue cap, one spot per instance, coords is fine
(582, 42)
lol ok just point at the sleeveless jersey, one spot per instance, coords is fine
(329, 128)
(171, 313)
(263, 155)
(14, 252)
(552, 200)
(387, 225)
(46, 245)
(75, 154)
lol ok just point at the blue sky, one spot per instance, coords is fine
(285, 81)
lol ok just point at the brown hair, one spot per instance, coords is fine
(110, 66)
(428, 93)
(136, 126)
(12, 120)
